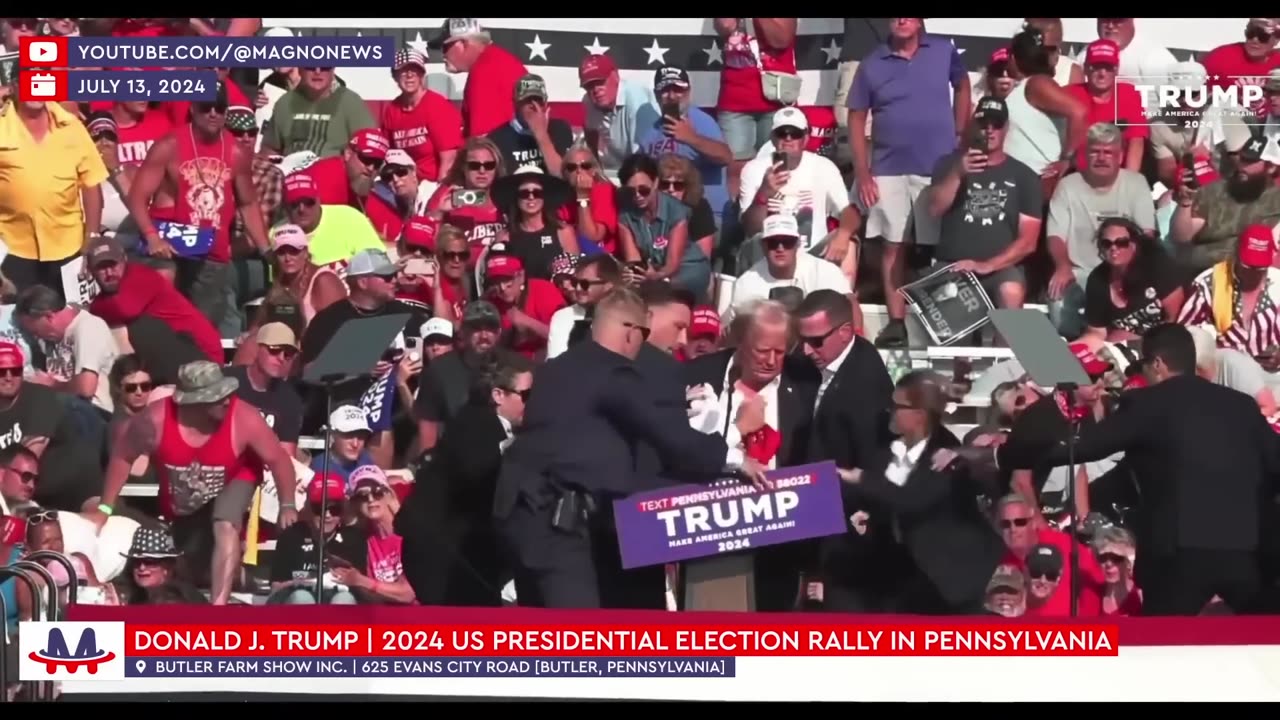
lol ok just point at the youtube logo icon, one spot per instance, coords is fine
(42, 51)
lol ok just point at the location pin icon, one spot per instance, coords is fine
(140, 665)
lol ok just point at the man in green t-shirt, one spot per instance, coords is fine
(319, 115)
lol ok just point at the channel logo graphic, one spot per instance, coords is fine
(43, 51)
(70, 651)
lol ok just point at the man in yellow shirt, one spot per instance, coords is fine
(335, 232)
(50, 190)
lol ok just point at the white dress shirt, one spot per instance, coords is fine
(829, 373)
(510, 432)
(903, 461)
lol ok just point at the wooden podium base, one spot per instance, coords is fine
(724, 584)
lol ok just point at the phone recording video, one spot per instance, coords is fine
(671, 110)
(463, 197)
(978, 140)
(419, 266)
(779, 158)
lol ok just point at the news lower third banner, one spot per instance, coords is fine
(696, 521)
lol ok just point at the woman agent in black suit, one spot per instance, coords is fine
(451, 554)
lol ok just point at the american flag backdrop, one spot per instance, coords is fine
(553, 47)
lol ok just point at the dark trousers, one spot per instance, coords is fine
(555, 569)
(204, 282)
(1183, 582)
(24, 273)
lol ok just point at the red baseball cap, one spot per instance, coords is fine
(420, 231)
(370, 142)
(1000, 55)
(300, 186)
(595, 68)
(1134, 382)
(331, 485)
(1257, 247)
(1092, 364)
(1102, 52)
(11, 354)
(705, 323)
(502, 266)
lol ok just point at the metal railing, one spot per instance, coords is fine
(26, 571)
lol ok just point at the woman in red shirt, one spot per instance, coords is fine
(752, 47)
(593, 193)
(383, 579)
(1115, 548)
(472, 212)
(422, 122)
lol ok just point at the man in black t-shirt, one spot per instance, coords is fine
(533, 137)
(264, 384)
(991, 207)
(371, 293)
(447, 382)
(294, 566)
(39, 418)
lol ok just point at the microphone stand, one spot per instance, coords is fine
(1073, 427)
(328, 382)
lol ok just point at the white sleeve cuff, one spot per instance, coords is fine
(735, 458)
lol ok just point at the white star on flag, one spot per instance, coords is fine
(714, 54)
(537, 48)
(657, 54)
(832, 51)
(595, 48)
(417, 43)
(959, 49)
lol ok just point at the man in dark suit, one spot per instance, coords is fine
(1205, 461)
(860, 570)
(576, 451)
(935, 512)
(756, 384)
(451, 554)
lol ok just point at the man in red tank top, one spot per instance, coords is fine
(209, 450)
(203, 168)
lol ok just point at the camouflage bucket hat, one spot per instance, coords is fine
(202, 382)
(531, 86)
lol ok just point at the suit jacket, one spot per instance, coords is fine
(1203, 457)
(663, 376)
(796, 393)
(942, 526)
(588, 409)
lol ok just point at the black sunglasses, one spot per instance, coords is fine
(644, 331)
(1015, 522)
(671, 185)
(781, 243)
(1051, 576)
(1113, 558)
(251, 132)
(204, 108)
(574, 167)
(397, 170)
(129, 388)
(789, 133)
(333, 509)
(530, 193)
(287, 351)
(524, 394)
(458, 255)
(477, 166)
(1253, 32)
(816, 341)
(369, 162)
(585, 285)
(1123, 243)
(10, 372)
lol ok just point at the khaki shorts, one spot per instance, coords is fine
(902, 211)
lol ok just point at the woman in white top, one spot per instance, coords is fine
(1046, 123)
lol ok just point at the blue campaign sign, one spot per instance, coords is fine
(186, 240)
(694, 521)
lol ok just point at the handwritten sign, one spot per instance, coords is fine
(694, 521)
(269, 508)
(78, 290)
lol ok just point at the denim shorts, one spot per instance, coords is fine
(745, 133)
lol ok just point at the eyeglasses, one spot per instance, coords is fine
(781, 243)
(644, 331)
(1105, 244)
(584, 285)
(27, 477)
(1015, 522)
(1113, 558)
(304, 203)
(477, 166)
(1050, 575)
(575, 167)
(524, 394)
(204, 108)
(140, 387)
(1253, 32)
(640, 190)
(530, 193)
(11, 372)
(366, 494)
(677, 185)
(396, 170)
(288, 352)
(369, 162)
(44, 516)
(251, 132)
(789, 133)
(456, 256)
(333, 509)
(816, 341)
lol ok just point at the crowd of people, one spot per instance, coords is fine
(577, 303)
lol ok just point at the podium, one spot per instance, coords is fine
(725, 583)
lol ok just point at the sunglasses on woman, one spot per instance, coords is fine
(575, 167)
(398, 171)
(139, 387)
(677, 185)
(477, 166)
(1122, 243)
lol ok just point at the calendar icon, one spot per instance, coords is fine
(43, 85)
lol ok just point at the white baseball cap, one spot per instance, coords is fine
(396, 156)
(790, 117)
(781, 226)
(278, 31)
(349, 419)
(437, 326)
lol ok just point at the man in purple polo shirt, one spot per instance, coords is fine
(907, 86)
